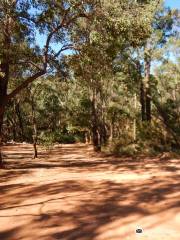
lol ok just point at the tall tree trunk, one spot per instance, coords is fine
(145, 96)
(3, 91)
(102, 132)
(147, 87)
(1, 125)
(4, 76)
(134, 122)
(95, 133)
(34, 128)
(111, 131)
(18, 113)
(102, 125)
(16, 133)
(143, 102)
(35, 142)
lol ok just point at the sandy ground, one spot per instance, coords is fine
(72, 193)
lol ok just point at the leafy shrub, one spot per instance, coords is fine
(66, 138)
(79, 138)
(154, 137)
(121, 147)
(49, 138)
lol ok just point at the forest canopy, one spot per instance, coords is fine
(104, 72)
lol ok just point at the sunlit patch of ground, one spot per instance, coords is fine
(72, 193)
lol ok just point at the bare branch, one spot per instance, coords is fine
(64, 48)
(33, 64)
(55, 30)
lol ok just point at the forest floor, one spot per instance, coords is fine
(72, 193)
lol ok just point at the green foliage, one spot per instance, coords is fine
(129, 150)
(93, 89)
(50, 138)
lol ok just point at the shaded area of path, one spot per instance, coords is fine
(72, 193)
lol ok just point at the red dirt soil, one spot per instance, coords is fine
(73, 193)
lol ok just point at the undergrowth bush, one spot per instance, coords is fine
(152, 139)
(49, 138)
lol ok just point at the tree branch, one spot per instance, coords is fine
(41, 72)
(32, 63)
(64, 48)
(25, 84)
(55, 30)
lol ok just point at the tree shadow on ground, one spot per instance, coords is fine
(87, 209)
(92, 208)
(81, 157)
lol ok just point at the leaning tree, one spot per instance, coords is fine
(24, 58)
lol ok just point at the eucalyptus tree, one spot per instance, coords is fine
(124, 25)
(164, 22)
(108, 25)
(166, 95)
(22, 56)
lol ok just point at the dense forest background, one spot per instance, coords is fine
(101, 72)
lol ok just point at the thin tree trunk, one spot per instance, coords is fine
(35, 147)
(112, 121)
(103, 133)
(134, 123)
(86, 138)
(4, 76)
(18, 113)
(111, 132)
(34, 129)
(16, 133)
(95, 134)
(148, 105)
(143, 102)
(147, 88)
(13, 127)
(146, 91)
(1, 125)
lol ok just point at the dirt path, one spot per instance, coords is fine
(76, 194)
